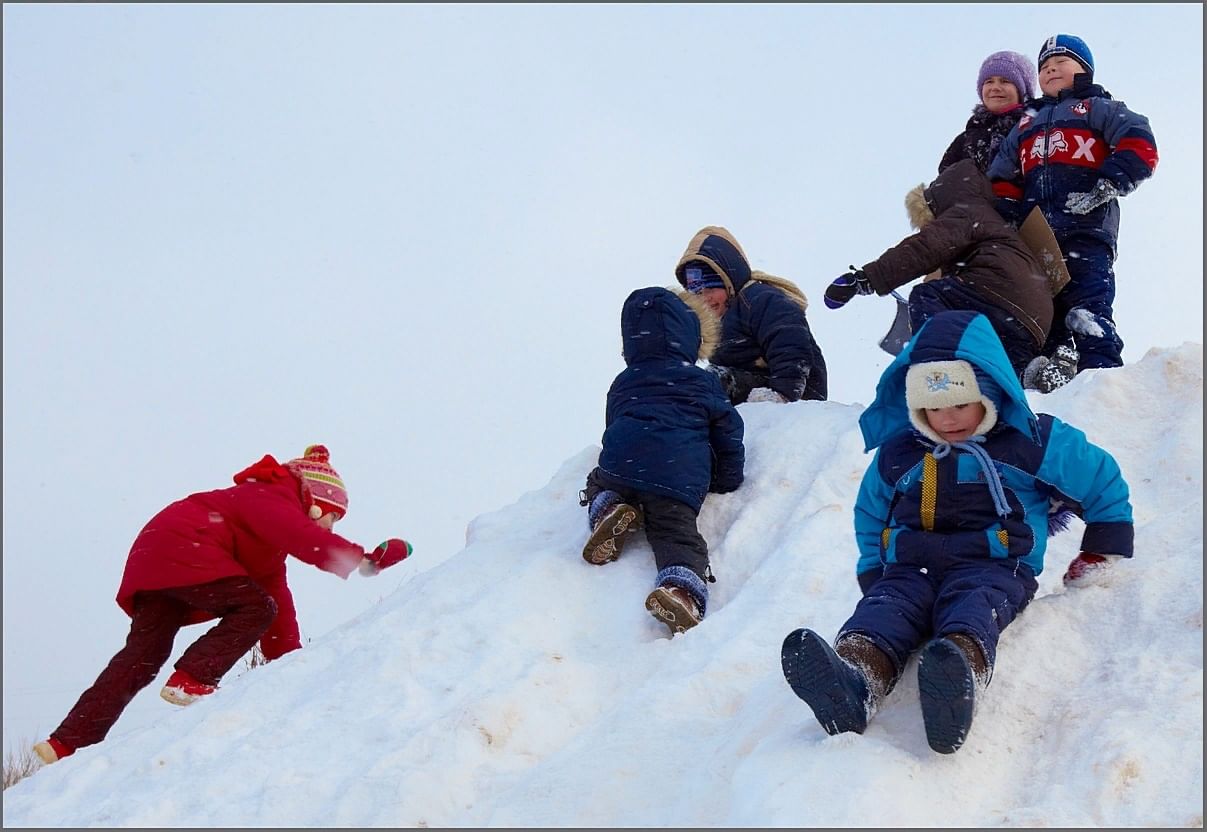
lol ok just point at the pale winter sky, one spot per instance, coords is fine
(517, 686)
(406, 232)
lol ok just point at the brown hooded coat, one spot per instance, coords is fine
(962, 234)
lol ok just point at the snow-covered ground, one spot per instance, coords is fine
(512, 684)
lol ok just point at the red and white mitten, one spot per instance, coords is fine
(1087, 568)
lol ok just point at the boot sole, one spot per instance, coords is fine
(814, 672)
(607, 540)
(670, 611)
(947, 692)
(179, 697)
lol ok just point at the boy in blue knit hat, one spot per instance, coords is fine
(671, 436)
(1074, 156)
(951, 523)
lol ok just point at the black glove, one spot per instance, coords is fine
(853, 283)
(1084, 203)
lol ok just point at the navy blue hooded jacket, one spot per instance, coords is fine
(669, 428)
(1065, 145)
(764, 329)
(920, 508)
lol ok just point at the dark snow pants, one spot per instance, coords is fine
(1084, 307)
(928, 299)
(908, 606)
(670, 526)
(245, 611)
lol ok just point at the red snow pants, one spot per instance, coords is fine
(245, 611)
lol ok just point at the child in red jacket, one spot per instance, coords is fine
(220, 554)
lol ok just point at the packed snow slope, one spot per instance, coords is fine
(515, 685)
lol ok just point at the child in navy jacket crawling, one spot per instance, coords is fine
(671, 435)
(951, 522)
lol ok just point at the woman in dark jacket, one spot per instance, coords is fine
(1004, 84)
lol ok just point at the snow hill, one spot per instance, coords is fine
(515, 685)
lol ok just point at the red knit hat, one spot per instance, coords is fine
(320, 480)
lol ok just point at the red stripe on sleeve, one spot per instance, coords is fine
(1142, 148)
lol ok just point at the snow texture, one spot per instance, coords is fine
(513, 684)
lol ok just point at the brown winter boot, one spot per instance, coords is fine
(877, 667)
(972, 652)
(608, 538)
(674, 607)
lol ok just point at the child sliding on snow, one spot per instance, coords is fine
(951, 523)
(220, 554)
(671, 435)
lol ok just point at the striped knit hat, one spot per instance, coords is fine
(320, 480)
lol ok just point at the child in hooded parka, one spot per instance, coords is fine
(671, 436)
(984, 264)
(951, 524)
(767, 351)
(1074, 153)
(220, 554)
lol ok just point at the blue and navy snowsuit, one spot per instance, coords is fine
(765, 335)
(1064, 146)
(671, 434)
(951, 540)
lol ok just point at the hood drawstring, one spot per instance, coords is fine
(992, 478)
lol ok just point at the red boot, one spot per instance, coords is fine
(183, 689)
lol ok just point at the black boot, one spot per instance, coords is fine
(841, 694)
(950, 671)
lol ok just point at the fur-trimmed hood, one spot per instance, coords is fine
(962, 183)
(710, 324)
(720, 250)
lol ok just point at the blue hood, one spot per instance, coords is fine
(945, 337)
(656, 325)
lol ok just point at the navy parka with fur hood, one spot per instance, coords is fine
(923, 508)
(669, 427)
(765, 328)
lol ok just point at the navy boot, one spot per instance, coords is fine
(947, 689)
(836, 690)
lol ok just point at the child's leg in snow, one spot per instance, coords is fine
(245, 612)
(670, 527)
(153, 627)
(980, 599)
(680, 552)
(1083, 309)
(895, 614)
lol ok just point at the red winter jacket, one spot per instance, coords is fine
(247, 529)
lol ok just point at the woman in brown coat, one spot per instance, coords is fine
(984, 265)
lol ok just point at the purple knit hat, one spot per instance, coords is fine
(1015, 68)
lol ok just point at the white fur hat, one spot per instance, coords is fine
(934, 384)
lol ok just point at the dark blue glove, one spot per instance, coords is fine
(853, 283)
(1011, 210)
(1084, 203)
